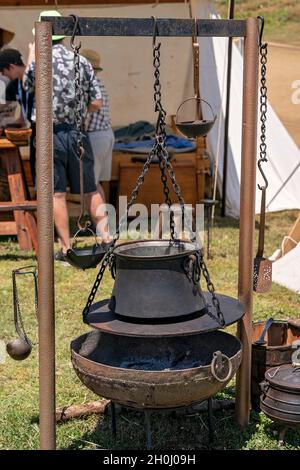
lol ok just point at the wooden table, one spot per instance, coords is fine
(24, 223)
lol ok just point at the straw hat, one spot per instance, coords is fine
(5, 37)
(49, 13)
(93, 57)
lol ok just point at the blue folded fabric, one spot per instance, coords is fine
(172, 141)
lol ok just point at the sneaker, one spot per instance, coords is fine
(61, 257)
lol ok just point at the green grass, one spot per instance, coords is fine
(19, 380)
(282, 17)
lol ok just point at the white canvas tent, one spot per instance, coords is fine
(286, 270)
(283, 168)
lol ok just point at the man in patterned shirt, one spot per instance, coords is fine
(66, 159)
(98, 126)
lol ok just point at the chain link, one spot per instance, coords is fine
(159, 150)
(78, 115)
(161, 134)
(211, 289)
(263, 112)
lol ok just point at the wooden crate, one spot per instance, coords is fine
(152, 190)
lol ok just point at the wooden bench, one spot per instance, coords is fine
(24, 223)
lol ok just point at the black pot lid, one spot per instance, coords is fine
(286, 377)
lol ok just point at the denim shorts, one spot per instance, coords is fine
(66, 161)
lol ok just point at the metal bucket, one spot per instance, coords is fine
(155, 373)
(155, 279)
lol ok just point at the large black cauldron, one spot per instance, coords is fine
(156, 279)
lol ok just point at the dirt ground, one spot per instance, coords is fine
(283, 70)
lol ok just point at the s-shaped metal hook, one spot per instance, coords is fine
(76, 27)
(155, 30)
(264, 187)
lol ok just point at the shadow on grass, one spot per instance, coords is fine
(169, 430)
(17, 256)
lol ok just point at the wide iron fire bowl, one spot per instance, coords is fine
(156, 373)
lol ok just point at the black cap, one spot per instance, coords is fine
(10, 57)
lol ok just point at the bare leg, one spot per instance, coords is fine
(101, 191)
(61, 220)
(94, 201)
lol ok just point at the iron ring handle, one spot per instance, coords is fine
(85, 229)
(216, 357)
(200, 99)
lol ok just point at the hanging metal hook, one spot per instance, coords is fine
(76, 26)
(195, 30)
(263, 175)
(261, 30)
(155, 30)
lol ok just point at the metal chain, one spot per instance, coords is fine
(161, 134)
(263, 48)
(161, 152)
(108, 258)
(78, 115)
(211, 289)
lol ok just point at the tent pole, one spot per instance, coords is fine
(44, 141)
(247, 216)
(226, 123)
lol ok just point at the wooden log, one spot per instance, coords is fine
(80, 411)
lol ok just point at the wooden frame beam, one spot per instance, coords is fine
(166, 27)
(84, 3)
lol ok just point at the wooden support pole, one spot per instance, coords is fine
(247, 216)
(44, 139)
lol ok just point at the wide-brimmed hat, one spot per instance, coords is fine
(49, 13)
(6, 36)
(93, 57)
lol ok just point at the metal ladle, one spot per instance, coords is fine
(19, 349)
(261, 341)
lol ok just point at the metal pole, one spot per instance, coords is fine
(44, 140)
(226, 123)
(247, 216)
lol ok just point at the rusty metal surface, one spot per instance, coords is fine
(147, 373)
(44, 142)
(100, 317)
(276, 352)
(144, 27)
(280, 399)
(247, 216)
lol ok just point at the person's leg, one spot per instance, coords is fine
(61, 220)
(98, 214)
(102, 143)
(101, 191)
